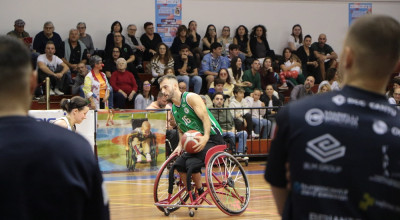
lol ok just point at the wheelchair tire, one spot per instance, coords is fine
(128, 158)
(228, 183)
(161, 184)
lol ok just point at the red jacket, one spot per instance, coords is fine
(124, 81)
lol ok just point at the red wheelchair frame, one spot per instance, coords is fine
(226, 184)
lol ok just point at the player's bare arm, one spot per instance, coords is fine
(200, 109)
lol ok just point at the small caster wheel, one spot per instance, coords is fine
(166, 212)
(246, 163)
(191, 213)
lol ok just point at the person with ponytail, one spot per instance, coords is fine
(76, 109)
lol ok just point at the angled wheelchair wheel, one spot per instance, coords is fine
(228, 183)
(154, 154)
(161, 183)
(131, 156)
(128, 158)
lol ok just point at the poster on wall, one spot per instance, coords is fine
(357, 10)
(168, 19)
(130, 140)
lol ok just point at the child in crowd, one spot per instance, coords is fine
(241, 117)
(257, 115)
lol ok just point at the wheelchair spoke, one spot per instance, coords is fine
(228, 184)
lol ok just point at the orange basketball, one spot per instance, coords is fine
(188, 140)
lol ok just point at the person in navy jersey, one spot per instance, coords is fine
(47, 172)
(336, 155)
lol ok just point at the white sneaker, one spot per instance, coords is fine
(139, 158)
(283, 87)
(243, 158)
(52, 92)
(58, 92)
(254, 135)
(148, 157)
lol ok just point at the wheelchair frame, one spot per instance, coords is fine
(226, 184)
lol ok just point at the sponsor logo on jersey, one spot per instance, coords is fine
(325, 148)
(357, 102)
(315, 117)
(369, 201)
(383, 108)
(322, 167)
(338, 100)
(320, 216)
(186, 110)
(379, 127)
(322, 192)
(395, 131)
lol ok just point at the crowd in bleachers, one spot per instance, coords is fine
(204, 65)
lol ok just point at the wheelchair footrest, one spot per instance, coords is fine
(189, 206)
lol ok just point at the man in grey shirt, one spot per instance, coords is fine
(300, 91)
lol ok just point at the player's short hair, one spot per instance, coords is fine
(15, 68)
(169, 77)
(375, 42)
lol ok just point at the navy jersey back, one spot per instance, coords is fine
(47, 172)
(344, 153)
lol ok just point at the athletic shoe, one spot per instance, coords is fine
(58, 92)
(139, 158)
(254, 135)
(283, 87)
(52, 92)
(148, 157)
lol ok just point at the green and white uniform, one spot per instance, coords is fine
(187, 119)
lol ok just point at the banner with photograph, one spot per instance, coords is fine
(168, 19)
(129, 140)
(357, 10)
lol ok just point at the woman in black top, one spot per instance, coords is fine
(241, 38)
(308, 60)
(115, 27)
(270, 100)
(209, 38)
(180, 39)
(194, 39)
(258, 43)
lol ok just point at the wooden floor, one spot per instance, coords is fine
(131, 197)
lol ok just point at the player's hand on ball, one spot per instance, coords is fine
(202, 143)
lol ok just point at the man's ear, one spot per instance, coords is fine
(348, 58)
(33, 82)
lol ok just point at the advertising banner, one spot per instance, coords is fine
(168, 19)
(129, 140)
(357, 10)
(86, 128)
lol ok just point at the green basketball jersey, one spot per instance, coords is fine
(186, 118)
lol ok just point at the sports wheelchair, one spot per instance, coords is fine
(226, 184)
(133, 151)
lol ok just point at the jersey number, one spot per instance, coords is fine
(186, 120)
